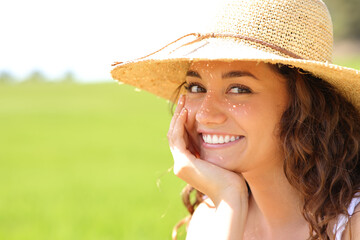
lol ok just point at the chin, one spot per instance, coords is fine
(218, 160)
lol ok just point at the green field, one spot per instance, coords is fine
(85, 161)
(352, 62)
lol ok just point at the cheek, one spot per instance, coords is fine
(192, 106)
(238, 110)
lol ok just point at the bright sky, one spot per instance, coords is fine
(86, 36)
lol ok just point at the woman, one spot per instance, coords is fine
(266, 130)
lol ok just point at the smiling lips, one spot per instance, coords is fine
(219, 139)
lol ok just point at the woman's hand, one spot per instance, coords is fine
(217, 183)
(226, 189)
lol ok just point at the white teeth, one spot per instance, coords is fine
(208, 139)
(215, 139)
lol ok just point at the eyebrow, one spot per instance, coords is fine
(191, 73)
(235, 74)
(232, 74)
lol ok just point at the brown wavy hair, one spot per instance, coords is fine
(320, 133)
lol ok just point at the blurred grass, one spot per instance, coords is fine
(87, 161)
(83, 161)
(348, 61)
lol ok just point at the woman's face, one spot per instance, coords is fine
(234, 111)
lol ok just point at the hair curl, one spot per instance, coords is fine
(320, 133)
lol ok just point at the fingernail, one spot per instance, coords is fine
(181, 99)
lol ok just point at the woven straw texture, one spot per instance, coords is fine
(290, 24)
(293, 32)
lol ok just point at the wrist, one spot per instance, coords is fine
(230, 217)
(235, 197)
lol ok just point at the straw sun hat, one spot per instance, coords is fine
(291, 32)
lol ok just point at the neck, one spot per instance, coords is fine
(274, 202)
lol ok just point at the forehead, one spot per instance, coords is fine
(258, 69)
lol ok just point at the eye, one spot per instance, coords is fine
(194, 88)
(239, 89)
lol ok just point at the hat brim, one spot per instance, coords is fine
(162, 72)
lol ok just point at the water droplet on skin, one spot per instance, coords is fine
(234, 106)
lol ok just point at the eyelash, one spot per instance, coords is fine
(243, 89)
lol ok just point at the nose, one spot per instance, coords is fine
(210, 111)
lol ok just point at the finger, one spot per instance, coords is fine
(178, 109)
(182, 133)
(191, 145)
(178, 135)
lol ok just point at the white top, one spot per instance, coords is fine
(342, 219)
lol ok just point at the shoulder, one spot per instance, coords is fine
(352, 230)
(201, 220)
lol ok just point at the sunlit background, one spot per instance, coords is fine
(82, 157)
(85, 37)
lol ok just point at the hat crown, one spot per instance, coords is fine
(303, 27)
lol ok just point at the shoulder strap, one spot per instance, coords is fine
(340, 226)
